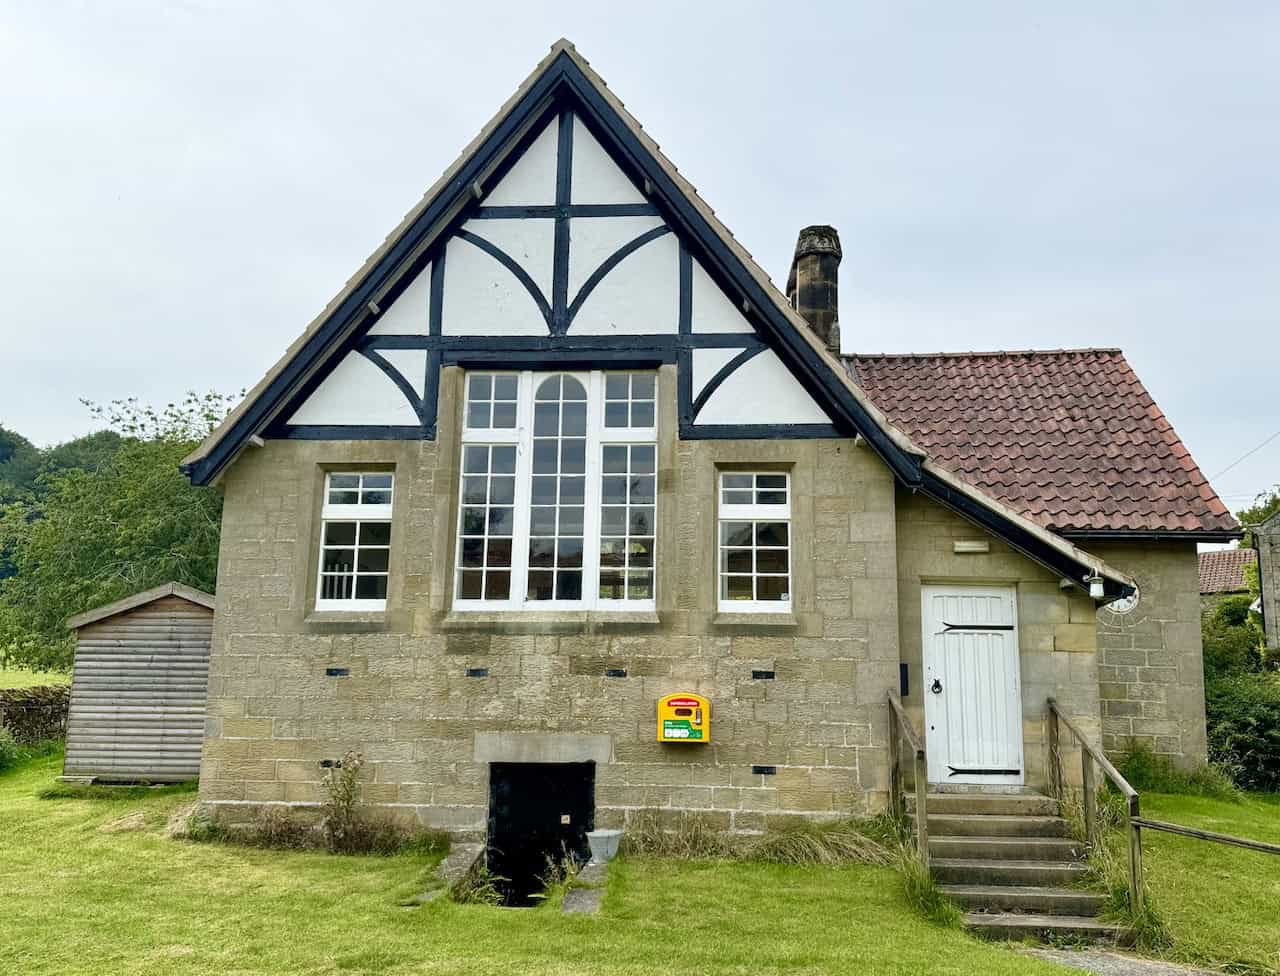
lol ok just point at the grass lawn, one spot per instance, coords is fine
(29, 679)
(1222, 904)
(77, 899)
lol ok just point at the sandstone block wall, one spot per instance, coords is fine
(410, 707)
(1151, 664)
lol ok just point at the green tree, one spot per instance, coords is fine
(1265, 505)
(19, 464)
(99, 535)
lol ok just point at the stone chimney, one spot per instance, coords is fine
(813, 286)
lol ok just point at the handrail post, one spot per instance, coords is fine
(1055, 752)
(922, 816)
(896, 804)
(1135, 857)
(1090, 799)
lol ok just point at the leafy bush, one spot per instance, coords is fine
(1156, 774)
(1243, 713)
(1231, 639)
(11, 752)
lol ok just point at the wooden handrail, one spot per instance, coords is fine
(900, 728)
(1103, 762)
(1170, 828)
(904, 723)
(1089, 755)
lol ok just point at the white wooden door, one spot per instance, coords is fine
(971, 686)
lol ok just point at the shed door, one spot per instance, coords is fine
(972, 693)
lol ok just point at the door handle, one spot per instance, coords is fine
(936, 687)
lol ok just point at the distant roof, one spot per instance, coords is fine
(1223, 571)
(1068, 437)
(190, 594)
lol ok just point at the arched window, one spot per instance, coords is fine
(559, 491)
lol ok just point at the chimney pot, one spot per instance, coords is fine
(813, 286)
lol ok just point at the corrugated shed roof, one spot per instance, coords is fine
(1069, 437)
(1223, 571)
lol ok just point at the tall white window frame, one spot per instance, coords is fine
(600, 433)
(355, 541)
(753, 542)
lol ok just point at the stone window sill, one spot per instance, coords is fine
(550, 622)
(756, 623)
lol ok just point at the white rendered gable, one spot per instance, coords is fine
(356, 392)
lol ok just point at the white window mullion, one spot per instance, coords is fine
(591, 522)
(524, 492)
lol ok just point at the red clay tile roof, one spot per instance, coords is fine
(1069, 438)
(1223, 571)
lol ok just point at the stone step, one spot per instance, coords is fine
(1032, 899)
(1046, 927)
(1006, 848)
(995, 825)
(993, 804)
(983, 871)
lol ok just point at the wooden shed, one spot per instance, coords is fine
(139, 688)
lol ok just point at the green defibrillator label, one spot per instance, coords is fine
(679, 728)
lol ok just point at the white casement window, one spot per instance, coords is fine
(755, 541)
(559, 491)
(355, 541)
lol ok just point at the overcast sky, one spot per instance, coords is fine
(184, 185)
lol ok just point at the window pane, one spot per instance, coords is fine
(613, 491)
(499, 552)
(641, 490)
(643, 386)
(771, 498)
(548, 389)
(569, 585)
(735, 588)
(475, 460)
(504, 460)
(642, 414)
(501, 521)
(472, 586)
(771, 481)
(569, 554)
(574, 421)
(375, 533)
(480, 387)
(573, 390)
(642, 459)
(472, 552)
(640, 553)
(497, 586)
(543, 520)
(613, 521)
(473, 521)
(371, 587)
(372, 561)
(546, 419)
(502, 491)
(344, 497)
(616, 386)
(544, 491)
(573, 456)
(613, 553)
(612, 586)
(573, 491)
(504, 416)
(478, 416)
(641, 522)
(735, 533)
(615, 415)
(504, 387)
(540, 585)
(640, 586)
(542, 552)
(615, 459)
(338, 561)
(344, 481)
(473, 491)
(735, 560)
(771, 533)
(571, 520)
(340, 533)
(373, 481)
(544, 457)
(739, 481)
(771, 561)
(336, 587)
(771, 588)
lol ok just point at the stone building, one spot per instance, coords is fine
(560, 449)
(1266, 540)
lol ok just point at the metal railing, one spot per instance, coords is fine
(901, 729)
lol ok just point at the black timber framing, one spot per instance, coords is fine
(562, 87)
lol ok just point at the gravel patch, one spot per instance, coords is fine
(1116, 964)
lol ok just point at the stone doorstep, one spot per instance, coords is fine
(455, 864)
(585, 900)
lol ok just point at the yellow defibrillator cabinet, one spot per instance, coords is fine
(684, 718)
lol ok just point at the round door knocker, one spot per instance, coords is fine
(936, 687)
